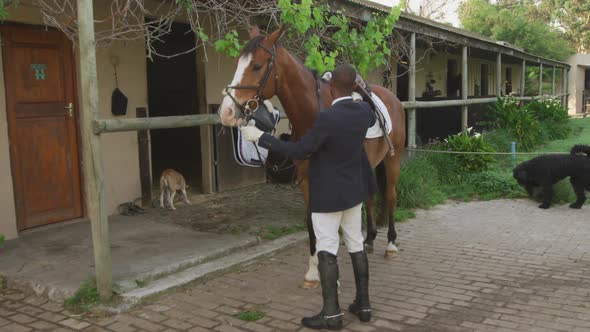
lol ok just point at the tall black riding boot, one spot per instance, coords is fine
(330, 317)
(361, 306)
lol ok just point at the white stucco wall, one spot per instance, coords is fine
(579, 63)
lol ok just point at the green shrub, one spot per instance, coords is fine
(418, 185)
(553, 131)
(548, 110)
(553, 118)
(500, 139)
(486, 185)
(497, 182)
(446, 167)
(467, 142)
(519, 122)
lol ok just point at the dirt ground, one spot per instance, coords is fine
(266, 210)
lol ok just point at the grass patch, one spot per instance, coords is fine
(2, 238)
(491, 184)
(84, 299)
(401, 215)
(275, 232)
(250, 316)
(140, 283)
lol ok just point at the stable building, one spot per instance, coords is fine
(40, 141)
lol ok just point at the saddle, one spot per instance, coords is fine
(364, 90)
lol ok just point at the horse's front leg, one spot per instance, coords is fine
(371, 226)
(312, 276)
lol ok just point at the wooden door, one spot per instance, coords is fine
(39, 77)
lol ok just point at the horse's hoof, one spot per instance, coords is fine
(390, 254)
(391, 251)
(310, 284)
(369, 248)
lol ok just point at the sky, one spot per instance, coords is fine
(450, 15)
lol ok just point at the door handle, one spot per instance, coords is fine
(70, 109)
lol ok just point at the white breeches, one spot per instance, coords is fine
(326, 225)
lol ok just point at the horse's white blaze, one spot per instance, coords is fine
(391, 247)
(313, 273)
(228, 111)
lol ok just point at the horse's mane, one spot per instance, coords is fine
(252, 45)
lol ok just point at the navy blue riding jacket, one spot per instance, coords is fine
(340, 176)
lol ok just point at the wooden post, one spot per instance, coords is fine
(567, 74)
(412, 93)
(553, 83)
(563, 87)
(205, 132)
(91, 151)
(523, 78)
(464, 90)
(540, 79)
(499, 74)
(145, 171)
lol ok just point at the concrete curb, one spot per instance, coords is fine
(217, 266)
(59, 293)
(127, 285)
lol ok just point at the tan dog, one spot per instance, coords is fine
(170, 182)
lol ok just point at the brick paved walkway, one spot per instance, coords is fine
(482, 266)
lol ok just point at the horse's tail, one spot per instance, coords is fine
(381, 177)
(581, 149)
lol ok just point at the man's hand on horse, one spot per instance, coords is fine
(251, 133)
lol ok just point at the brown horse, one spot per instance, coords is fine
(266, 69)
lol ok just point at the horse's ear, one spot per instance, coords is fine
(277, 34)
(253, 31)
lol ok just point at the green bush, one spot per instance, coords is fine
(467, 142)
(548, 110)
(497, 181)
(520, 122)
(418, 185)
(500, 139)
(553, 118)
(446, 167)
(537, 122)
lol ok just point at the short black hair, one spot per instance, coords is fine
(344, 77)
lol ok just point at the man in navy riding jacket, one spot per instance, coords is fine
(340, 180)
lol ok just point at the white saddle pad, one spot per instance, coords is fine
(376, 131)
(249, 153)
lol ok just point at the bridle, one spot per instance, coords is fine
(251, 105)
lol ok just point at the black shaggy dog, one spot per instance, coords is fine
(544, 171)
